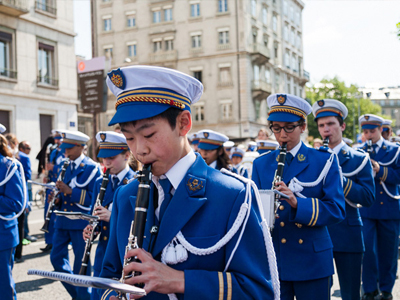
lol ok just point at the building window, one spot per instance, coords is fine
(292, 39)
(254, 8)
(223, 37)
(167, 14)
(277, 80)
(198, 75)
(46, 70)
(157, 46)
(198, 112)
(286, 32)
(295, 91)
(6, 55)
(265, 40)
(222, 6)
(108, 52)
(294, 63)
(285, 10)
(225, 75)
(226, 110)
(287, 60)
(195, 10)
(256, 73)
(157, 16)
(276, 46)
(48, 6)
(274, 23)
(169, 45)
(298, 41)
(291, 12)
(267, 75)
(130, 21)
(132, 50)
(288, 88)
(196, 41)
(107, 24)
(264, 15)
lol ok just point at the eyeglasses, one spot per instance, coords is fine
(287, 128)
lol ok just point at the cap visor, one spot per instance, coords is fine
(67, 146)
(283, 117)
(327, 114)
(206, 146)
(104, 153)
(368, 126)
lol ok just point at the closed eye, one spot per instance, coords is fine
(149, 136)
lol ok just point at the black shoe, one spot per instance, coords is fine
(19, 260)
(31, 238)
(386, 296)
(47, 248)
(370, 296)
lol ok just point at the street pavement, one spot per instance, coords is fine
(31, 287)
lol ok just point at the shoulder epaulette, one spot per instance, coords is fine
(324, 149)
(360, 150)
(265, 153)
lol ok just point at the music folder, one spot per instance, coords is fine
(76, 215)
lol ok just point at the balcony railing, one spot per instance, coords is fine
(46, 80)
(12, 74)
(39, 5)
(163, 56)
(14, 8)
(260, 89)
(261, 54)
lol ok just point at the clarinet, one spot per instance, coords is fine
(369, 147)
(136, 236)
(278, 176)
(325, 142)
(93, 223)
(52, 204)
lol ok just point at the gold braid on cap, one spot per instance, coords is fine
(288, 109)
(336, 111)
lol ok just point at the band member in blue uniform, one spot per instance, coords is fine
(194, 141)
(264, 146)
(358, 188)
(115, 154)
(387, 130)
(212, 150)
(236, 156)
(53, 166)
(228, 147)
(311, 179)
(75, 196)
(12, 205)
(199, 204)
(381, 221)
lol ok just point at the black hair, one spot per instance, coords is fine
(340, 120)
(223, 158)
(170, 115)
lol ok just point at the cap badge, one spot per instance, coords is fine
(206, 135)
(125, 181)
(103, 137)
(366, 117)
(117, 78)
(321, 103)
(281, 99)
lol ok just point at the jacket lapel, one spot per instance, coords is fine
(382, 152)
(298, 164)
(344, 156)
(187, 200)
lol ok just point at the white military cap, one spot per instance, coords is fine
(146, 91)
(386, 125)
(347, 141)
(2, 128)
(71, 139)
(236, 151)
(111, 143)
(369, 121)
(329, 107)
(252, 146)
(229, 144)
(266, 145)
(287, 108)
(210, 140)
(398, 132)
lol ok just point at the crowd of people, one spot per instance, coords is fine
(205, 234)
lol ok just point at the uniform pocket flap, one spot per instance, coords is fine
(322, 244)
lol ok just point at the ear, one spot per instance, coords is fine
(343, 127)
(184, 122)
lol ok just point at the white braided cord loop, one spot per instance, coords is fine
(356, 171)
(74, 183)
(389, 193)
(7, 178)
(387, 164)
(393, 159)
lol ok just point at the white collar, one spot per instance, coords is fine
(79, 160)
(213, 164)
(296, 149)
(121, 175)
(338, 147)
(379, 142)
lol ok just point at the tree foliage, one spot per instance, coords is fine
(398, 29)
(349, 96)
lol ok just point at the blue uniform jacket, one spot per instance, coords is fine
(385, 207)
(11, 201)
(81, 198)
(103, 226)
(26, 163)
(56, 158)
(301, 239)
(360, 189)
(204, 211)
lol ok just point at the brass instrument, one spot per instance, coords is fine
(325, 142)
(136, 236)
(52, 204)
(93, 223)
(278, 177)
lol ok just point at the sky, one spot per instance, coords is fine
(352, 39)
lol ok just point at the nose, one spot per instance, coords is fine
(141, 149)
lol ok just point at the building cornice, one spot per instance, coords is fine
(48, 26)
(40, 97)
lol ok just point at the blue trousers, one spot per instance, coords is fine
(381, 238)
(348, 267)
(317, 289)
(60, 259)
(48, 236)
(7, 284)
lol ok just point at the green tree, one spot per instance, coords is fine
(348, 95)
(398, 29)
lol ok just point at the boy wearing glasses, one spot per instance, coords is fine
(358, 188)
(311, 179)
